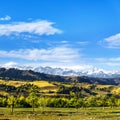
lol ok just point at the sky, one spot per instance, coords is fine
(60, 33)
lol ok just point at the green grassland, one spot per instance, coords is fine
(61, 114)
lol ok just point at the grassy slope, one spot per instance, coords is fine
(19, 83)
(46, 87)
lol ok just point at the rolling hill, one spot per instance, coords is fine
(29, 75)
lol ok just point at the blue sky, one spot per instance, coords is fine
(60, 33)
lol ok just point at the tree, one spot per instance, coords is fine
(91, 101)
(21, 102)
(33, 97)
(112, 101)
(3, 102)
(77, 94)
(11, 102)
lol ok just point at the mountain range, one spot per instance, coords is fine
(89, 71)
(31, 75)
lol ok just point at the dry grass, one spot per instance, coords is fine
(19, 83)
(13, 83)
(45, 86)
(116, 91)
(42, 83)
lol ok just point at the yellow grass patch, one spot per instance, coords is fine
(42, 83)
(4, 93)
(13, 83)
(116, 91)
(19, 83)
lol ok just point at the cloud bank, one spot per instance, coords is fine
(55, 55)
(41, 27)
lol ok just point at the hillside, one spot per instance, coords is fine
(56, 89)
(29, 75)
(20, 81)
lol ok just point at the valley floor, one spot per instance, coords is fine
(93, 113)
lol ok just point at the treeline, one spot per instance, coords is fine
(33, 101)
(80, 102)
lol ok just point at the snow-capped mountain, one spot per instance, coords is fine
(90, 71)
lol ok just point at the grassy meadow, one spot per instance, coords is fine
(93, 113)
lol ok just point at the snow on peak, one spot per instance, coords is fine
(69, 71)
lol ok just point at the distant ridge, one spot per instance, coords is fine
(29, 75)
(89, 71)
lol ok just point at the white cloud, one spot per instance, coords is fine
(5, 18)
(109, 63)
(10, 64)
(41, 27)
(64, 41)
(55, 55)
(82, 43)
(112, 41)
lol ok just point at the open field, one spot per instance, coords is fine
(19, 83)
(61, 114)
